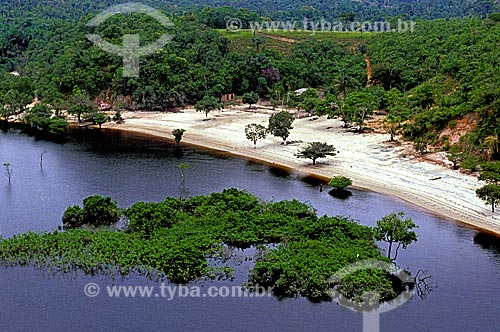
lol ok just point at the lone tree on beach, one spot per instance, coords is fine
(208, 104)
(178, 133)
(395, 229)
(280, 125)
(100, 119)
(316, 150)
(491, 192)
(250, 98)
(255, 132)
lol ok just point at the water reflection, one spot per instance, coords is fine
(279, 172)
(488, 242)
(340, 194)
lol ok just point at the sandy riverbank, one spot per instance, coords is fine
(368, 159)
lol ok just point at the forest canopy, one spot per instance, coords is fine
(429, 80)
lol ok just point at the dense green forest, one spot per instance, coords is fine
(429, 80)
(281, 9)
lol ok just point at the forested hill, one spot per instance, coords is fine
(274, 9)
(439, 83)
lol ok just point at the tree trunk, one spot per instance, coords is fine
(397, 251)
(390, 249)
(493, 207)
(314, 161)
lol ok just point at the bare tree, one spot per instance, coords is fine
(8, 171)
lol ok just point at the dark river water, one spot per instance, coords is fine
(464, 264)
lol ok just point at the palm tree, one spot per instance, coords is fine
(492, 143)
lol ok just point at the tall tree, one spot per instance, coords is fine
(395, 229)
(490, 194)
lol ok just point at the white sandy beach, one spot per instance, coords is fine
(368, 159)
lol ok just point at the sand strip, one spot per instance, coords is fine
(367, 159)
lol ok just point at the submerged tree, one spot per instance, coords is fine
(316, 150)
(41, 158)
(178, 133)
(97, 211)
(183, 168)
(8, 171)
(255, 132)
(340, 182)
(395, 229)
(339, 185)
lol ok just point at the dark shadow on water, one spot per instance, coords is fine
(279, 172)
(313, 181)
(340, 194)
(178, 152)
(488, 242)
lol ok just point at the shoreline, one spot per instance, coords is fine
(394, 175)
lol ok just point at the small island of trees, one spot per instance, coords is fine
(175, 239)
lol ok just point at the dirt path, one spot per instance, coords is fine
(278, 38)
